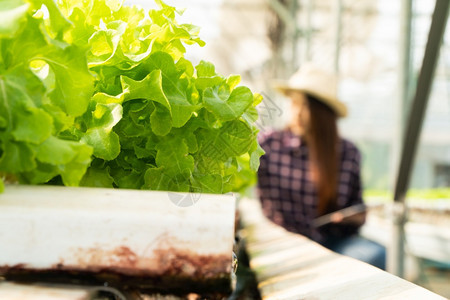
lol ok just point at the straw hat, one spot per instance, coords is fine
(317, 83)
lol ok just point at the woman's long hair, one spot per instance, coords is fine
(322, 138)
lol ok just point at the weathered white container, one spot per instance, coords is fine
(147, 239)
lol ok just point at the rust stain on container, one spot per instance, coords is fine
(181, 274)
(4, 269)
(166, 269)
(121, 257)
(162, 262)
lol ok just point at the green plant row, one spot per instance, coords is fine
(96, 93)
(412, 194)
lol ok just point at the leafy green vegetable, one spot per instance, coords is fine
(413, 195)
(44, 85)
(12, 14)
(225, 105)
(97, 93)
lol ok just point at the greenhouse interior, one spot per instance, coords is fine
(178, 149)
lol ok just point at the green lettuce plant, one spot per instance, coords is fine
(96, 93)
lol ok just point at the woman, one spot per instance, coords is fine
(309, 171)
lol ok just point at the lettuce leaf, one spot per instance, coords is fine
(44, 84)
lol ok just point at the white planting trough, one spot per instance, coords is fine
(147, 239)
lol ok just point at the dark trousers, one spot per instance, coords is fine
(359, 248)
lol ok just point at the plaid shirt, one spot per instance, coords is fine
(288, 195)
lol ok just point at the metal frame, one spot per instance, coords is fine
(394, 264)
(414, 125)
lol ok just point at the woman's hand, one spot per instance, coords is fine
(356, 219)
